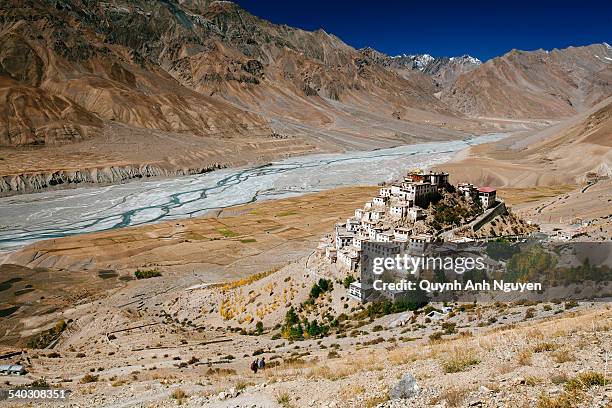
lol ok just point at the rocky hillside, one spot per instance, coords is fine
(81, 62)
(572, 151)
(537, 84)
(445, 71)
(198, 67)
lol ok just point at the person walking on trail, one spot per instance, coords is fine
(255, 366)
(262, 363)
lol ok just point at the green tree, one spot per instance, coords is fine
(325, 285)
(348, 280)
(291, 317)
(296, 332)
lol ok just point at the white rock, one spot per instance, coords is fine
(406, 388)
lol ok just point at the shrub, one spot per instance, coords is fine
(372, 342)
(563, 356)
(179, 395)
(376, 400)
(585, 380)
(436, 336)
(147, 273)
(532, 381)
(221, 371)
(524, 357)
(241, 385)
(283, 399)
(88, 378)
(545, 347)
(571, 304)
(449, 328)
(565, 400)
(460, 362)
(40, 383)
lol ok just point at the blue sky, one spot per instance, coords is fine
(484, 29)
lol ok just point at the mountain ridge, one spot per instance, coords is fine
(128, 56)
(443, 70)
(80, 78)
(532, 84)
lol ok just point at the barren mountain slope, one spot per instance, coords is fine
(56, 51)
(567, 153)
(446, 71)
(203, 68)
(536, 84)
(192, 85)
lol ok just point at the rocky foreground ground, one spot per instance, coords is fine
(526, 354)
(556, 363)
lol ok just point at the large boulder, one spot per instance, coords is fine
(406, 388)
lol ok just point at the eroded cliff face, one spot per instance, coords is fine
(33, 182)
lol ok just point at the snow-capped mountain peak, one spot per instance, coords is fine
(422, 62)
(413, 61)
(467, 58)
